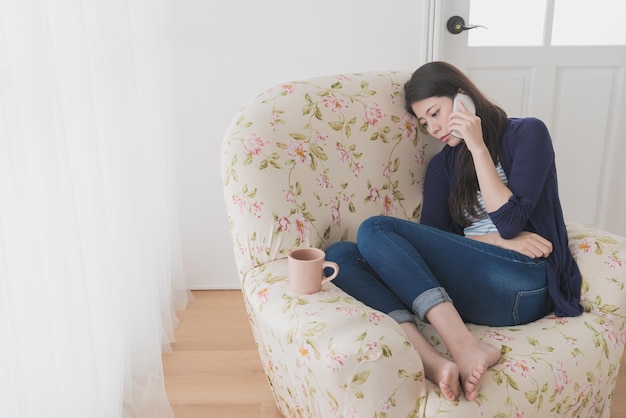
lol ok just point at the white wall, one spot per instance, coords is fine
(226, 52)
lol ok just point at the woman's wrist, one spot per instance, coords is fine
(493, 239)
(479, 151)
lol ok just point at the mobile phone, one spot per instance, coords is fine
(469, 105)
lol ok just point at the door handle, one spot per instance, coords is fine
(456, 25)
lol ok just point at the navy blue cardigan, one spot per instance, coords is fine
(527, 157)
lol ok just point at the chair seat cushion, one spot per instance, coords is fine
(552, 367)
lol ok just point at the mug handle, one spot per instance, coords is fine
(332, 265)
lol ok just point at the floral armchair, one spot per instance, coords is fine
(303, 164)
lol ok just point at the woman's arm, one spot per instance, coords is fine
(528, 157)
(435, 210)
(495, 193)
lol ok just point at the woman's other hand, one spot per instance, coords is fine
(527, 243)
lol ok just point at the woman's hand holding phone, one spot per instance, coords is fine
(465, 124)
(462, 102)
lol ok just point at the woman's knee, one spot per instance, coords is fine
(342, 251)
(372, 225)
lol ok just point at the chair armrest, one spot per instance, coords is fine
(328, 354)
(601, 258)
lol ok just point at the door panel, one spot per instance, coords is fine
(581, 147)
(508, 87)
(578, 91)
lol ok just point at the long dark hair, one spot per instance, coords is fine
(440, 79)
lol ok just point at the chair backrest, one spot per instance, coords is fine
(304, 163)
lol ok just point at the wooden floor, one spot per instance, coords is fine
(214, 369)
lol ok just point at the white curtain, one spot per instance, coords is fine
(90, 263)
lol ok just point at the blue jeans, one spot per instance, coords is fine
(403, 268)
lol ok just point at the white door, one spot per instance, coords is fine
(562, 61)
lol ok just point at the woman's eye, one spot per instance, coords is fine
(434, 115)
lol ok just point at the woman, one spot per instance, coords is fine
(491, 247)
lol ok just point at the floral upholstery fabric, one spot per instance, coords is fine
(303, 164)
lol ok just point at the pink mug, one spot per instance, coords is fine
(306, 270)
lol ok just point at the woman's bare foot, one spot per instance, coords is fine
(437, 368)
(473, 361)
(472, 356)
(444, 373)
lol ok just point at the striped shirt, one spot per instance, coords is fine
(484, 225)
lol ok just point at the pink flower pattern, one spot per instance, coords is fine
(263, 295)
(290, 196)
(498, 337)
(245, 204)
(336, 361)
(288, 88)
(375, 317)
(387, 171)
(350, 311)
(584, 247)
(301, 227)
(344, 154)
(561, 377)
(299, 150)
(385, 403)
(613, 261)
(253, 144)
(283, 223)
(373, 114)
(374, 194)
(389, 204)
(408, 127)
(520, 367)
(323, 182)
(335, 104)
(321, 139)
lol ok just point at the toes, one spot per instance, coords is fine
(471, 385)
(476, 374)
(471, 396)
(447, 391)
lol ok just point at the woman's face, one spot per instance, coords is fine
(433, 114)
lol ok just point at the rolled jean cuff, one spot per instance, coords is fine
(428, 300)
(401, 316)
